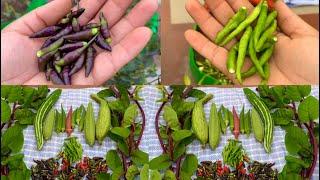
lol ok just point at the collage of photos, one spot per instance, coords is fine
(160, 89)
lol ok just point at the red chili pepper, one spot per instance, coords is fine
(226, 169)
(240, 166)
(270, 3)
(243, 171)
(251, 176)
(55, 172)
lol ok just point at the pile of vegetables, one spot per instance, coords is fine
(70, 46)
(257, 41)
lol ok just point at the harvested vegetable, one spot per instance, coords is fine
(233, 153)
(69, 122)
(72, 149)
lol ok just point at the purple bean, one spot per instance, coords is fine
(47, 43)
(67, 30)
(43, 61)
(82, 35)
(50, 48)
(48, 31)
(79, 63)
(91, 52)
(90, 26)
(75, 25)
(72, 46)
(77, 13)
(65, 75)
(101, 42)
(104, 26)
(55, 78)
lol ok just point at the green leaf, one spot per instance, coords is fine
(117, 173)
(5, 111)
(139, 157)
(123, 147)
(295, 140)
(179, 150)
(308, 109)
(296, 161)
(105, 93)
(282, 116)
(161, 162)
(169, 175)
(117, 106)
(189, 165)
(130, 115)
(103, 176)
(16, 174)
(170, 116)
(196, 93)
(28, 94)
(144, 173)
(15, 94)
(13, 161)
(293, 93)
(181, 134)
(278, 94)
(187, 122)
(5, 91)
(155, 175)
(304, 90)
(25, 116)
(132, 171)
(113, 160)
(121, 131)
(13, 138)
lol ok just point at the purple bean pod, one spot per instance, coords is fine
(72, 46)
(67, 30)
(101, 42)
(75, 25)
(91, 52)
(44, 60)
(82, 35)
(54, 77)
(78, 64)
(65, 75)
(46, 32)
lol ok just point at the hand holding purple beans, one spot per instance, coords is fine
(129, 36)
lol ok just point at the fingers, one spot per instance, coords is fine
(42, 17)
(113, 10)
(221, 10)
(237, 4)
(137, 17)
(106, 64)
(290, 23)
(207, 23)
(92, 8)
(217, 55)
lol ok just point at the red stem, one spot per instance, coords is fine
(313, 141)
(158, 129)
(143, 123)
(178, 167)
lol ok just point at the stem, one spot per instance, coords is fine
(296, 116)
(187, 91)
(115, 91)
(313, 141)
(124, 161)
(2, 125)
(178, 167)
(170, 143)
(158, 129)
(14, 108)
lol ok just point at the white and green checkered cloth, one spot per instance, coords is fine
(227, 96)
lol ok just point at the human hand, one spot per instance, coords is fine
(129, 36)
(296, 56)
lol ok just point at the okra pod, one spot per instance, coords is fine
(54, 77)
(58, 121)
(231, 121)
(82, 119)
(72, 46)
(232, 24)
(69, 122)
(46, 32)
(244, 41)
(222, 124)
(253, 16)
(78, 64)
(266, 34)
(63, 119)
(226, 118)
(45, 59)
(82, 35)
(91, 52)
(101, 42)
(247, 123)
(242, 117)
(66, 76)
(232, 58)
(254, 59)
(75, 25)
(54, 46)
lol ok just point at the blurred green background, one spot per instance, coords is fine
(144, 69)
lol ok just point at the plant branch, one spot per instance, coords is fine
(114, 89)
(158, 129)
(187, 91)
(14, 108)
(313, 141)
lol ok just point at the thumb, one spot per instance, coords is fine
(41, 17)
(290, 23)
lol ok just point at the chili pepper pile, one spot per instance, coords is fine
(57, 168)
(70, 47)
(257, 41)
(256, 170)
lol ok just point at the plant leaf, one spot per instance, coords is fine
(123, 147)
(121, 131)
(282, 116)
(161, 162)
(139, 157)
(144, 173)
(181, 134)
(189, 165)
(132, 171)
(5, 111)
(25, 116)
(155, 175)
(308, 109)
(170, 116)
(113, 160)
(295, 140)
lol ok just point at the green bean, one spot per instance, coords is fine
(232, 24)
(232, 58)
(266, 34)
(272, 16)
(260, 23)
(264, 58)
(242, 51)
(254, 59)
(253, 16)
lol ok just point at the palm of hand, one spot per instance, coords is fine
(18, 53)
(293, 61)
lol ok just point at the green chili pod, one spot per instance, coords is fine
(266, 34)
(260, 23)
(232, 58)
(50, 48)
(254, 59)
(244, 41)
(253, 16)
(232, 24)
(272, 16)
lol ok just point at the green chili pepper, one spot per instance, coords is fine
(266, 34)
(253, 16)
(266, 69)
(242, 51)
(272, 16)
(50, 48)
(263, 60)
(261, 21)
(254, 59)
(232, 24)
(232, 58)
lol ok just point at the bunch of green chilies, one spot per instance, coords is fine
(69, 47)
(257, 42)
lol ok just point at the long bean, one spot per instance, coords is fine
(232, 24)
(244, 41)
(253, 16)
